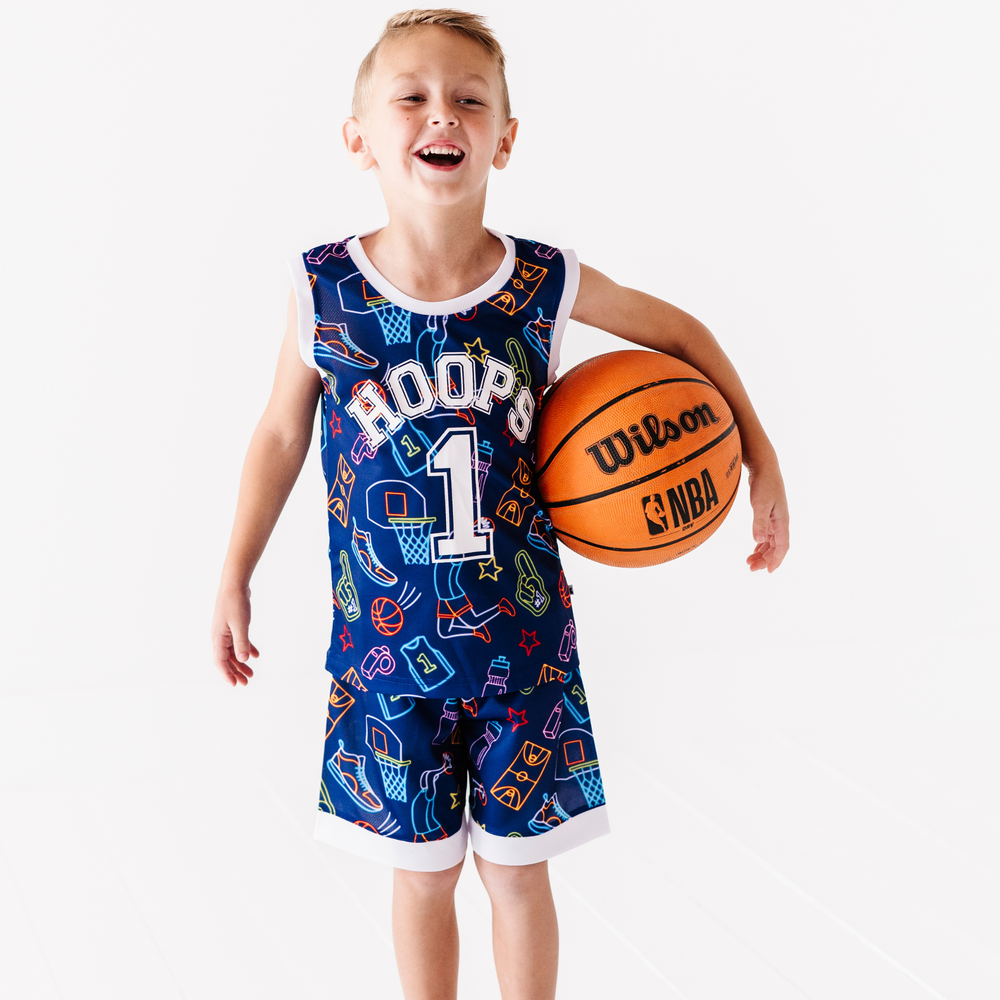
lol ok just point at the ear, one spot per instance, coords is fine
(357, 147)
(506, 144)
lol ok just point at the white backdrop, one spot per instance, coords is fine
(818, 184)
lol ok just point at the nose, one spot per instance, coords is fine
(443, 116)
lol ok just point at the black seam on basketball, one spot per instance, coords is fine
(649, 548)
(649, 475)
(611, 402)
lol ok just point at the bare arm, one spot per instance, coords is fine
(651, 322)
(273, 462)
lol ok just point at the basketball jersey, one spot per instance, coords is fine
(447, 581)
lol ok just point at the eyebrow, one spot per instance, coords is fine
(470, 77)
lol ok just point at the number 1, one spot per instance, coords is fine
(454, 456)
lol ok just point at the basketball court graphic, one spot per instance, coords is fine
(428, 667)
(339, 499)
(577, 761)
(514, 786)
(398, 505)
(388, 751)
(357, 295)
(520, 287)
(517, 499)
(425, 824)
(347, 595)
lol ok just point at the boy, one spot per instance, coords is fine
(453, 651)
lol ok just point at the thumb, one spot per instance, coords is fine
(241, 644)
(760, 528)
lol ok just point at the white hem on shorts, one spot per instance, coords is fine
(433, 856)
(575, 831)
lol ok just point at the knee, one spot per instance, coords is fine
(427, 885)
(513, 882)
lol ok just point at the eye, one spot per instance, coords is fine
(412, 97)
(469, 100)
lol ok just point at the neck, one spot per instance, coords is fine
(437, 254)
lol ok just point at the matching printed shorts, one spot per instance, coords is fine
(399, 772)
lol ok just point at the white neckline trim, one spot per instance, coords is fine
(418, 306)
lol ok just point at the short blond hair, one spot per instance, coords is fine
(400, 25)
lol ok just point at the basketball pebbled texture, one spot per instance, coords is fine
(638, 458)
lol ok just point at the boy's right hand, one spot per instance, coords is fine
(231, 645)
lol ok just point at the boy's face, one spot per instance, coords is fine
(434, 125)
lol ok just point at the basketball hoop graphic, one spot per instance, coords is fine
(388, 751)
(358, 296)
(578, 759)
(397, 505)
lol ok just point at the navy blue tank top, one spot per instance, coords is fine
(446, 573)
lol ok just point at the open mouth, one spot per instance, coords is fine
(441, 156)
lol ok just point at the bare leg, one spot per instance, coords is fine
(525, 931)
(425, 933)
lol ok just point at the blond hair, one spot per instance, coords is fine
(400, 25)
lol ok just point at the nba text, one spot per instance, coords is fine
(686, 502)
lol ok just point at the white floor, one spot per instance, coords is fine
(824, 823)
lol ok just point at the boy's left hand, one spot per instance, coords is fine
(770, 518)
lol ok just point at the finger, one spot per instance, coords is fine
(221, 653)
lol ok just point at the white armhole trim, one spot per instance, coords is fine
(571, 286)
(306, 309)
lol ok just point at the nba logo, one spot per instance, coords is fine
(652, 509)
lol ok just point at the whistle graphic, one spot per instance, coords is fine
(531, 592)
(378, 661)
(350, 604)
(568, 643)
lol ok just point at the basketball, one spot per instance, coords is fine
(638, 458)
(387, 615)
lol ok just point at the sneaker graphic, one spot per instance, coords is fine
(549, 816)
(333, 343)
(364, 552)
(348, 770)
(540, 533)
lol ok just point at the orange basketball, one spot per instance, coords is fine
(387, 615)
(638, 458)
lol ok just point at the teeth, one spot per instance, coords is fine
(441, 151)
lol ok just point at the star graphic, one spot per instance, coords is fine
(334, 426)
(481, 356)
(509, 435)
(525, 644)
(522, 721)
(488, 570)
(345, 638)
(455, 800)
